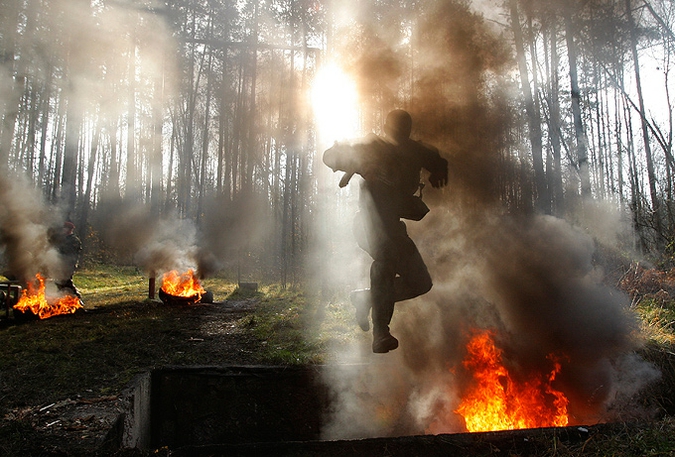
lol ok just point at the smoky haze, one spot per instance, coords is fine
(530, 277)
(26, 229)
(161, 243)
(91, 44)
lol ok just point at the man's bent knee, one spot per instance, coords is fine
(423, 285)
(426, 286)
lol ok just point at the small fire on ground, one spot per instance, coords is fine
(497, 400)
(182, 284)
(34, 299)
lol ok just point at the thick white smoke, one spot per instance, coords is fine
(26, 225)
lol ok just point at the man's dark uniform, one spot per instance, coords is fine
(391, 168)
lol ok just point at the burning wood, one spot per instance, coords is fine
(34, 300)
(179, 286)
(497, 401)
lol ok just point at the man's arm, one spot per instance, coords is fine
(339, 157)
(360, 157)
(434, 163)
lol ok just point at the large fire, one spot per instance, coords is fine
(182, 284)
(496, 401)
(34, 299)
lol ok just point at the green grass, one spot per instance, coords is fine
(658, 321)
(296, 328)
(658, 331)
(125, 333)
(107, 284)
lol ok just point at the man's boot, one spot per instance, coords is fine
(383, 342)
(361, 301)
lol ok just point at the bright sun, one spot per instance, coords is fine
(335, 104)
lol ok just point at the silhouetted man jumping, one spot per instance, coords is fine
(390, 168)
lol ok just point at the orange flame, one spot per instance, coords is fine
(496, 401)
(182, 284)
(34, 299)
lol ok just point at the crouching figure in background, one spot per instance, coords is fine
(69, 247)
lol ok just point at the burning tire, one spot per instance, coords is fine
(169, 299)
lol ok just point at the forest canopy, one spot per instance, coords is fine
(194, 129)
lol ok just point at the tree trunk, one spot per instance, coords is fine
(113, 182)
(91, 165)
(533, 119)
(555, 178)
(651, 175)
(579, 130)
(71, 150)
(10, 108)
(155, 167)
(131, 160)
(46, 97)
(223, 137)
(205, 133)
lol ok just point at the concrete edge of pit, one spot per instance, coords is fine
(508, 442)
(132, 429)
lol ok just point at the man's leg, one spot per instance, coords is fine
(362, 302)
(413, 277)
(382, 274)
(361, 298)
(387, 288)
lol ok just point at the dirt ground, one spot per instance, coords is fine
(78, 425)
(205, 334)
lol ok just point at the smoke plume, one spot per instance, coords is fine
(168, 242)
(529, 277)
(27, 225)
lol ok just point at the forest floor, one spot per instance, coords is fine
(61, 379)
(43, 416)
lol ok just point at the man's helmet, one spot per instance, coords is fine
(398, 124)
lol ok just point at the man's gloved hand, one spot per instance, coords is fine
(439, 177)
